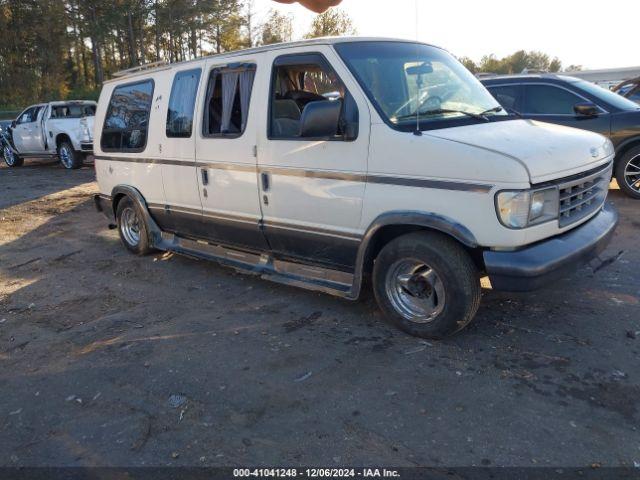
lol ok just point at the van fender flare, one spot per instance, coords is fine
(140, 203)
(429, 220)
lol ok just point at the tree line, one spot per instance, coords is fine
(57, 49)
(517, 62)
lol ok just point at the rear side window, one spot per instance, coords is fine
(226, 107)
(549, 100)
(182, 103)
(127, 121)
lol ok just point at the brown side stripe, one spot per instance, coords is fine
(303, 173)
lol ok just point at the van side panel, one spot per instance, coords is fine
(120, 168)
(184, 214)
(316, 186)
(231, 207)
(428, 174)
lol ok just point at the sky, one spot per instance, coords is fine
(586, 33)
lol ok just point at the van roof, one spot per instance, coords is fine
(158, 66)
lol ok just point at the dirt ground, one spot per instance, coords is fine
(114, 360)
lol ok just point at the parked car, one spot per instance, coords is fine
(56, 129)
(577, 103)
(324, 163)
(629, 89)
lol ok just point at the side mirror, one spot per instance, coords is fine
(320, 119)
(13, 124)
(586, 109)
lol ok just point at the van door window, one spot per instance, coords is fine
(309, 101)
(227, 101)
(127, 120)
(182, 103)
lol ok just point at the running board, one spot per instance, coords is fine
(310, 277)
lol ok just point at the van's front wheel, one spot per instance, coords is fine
(132, 228)
(426, 284)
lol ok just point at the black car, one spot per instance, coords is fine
(577, 103)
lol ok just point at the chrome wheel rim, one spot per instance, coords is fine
(632, 173)
(130, 226)
(9, 157)
(415, 290)
(65, 157)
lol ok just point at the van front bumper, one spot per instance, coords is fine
(535, 266)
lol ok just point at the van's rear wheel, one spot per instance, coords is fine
(628, 172)
(426, 284)
(10, 157)
(132, 228)
(69, 158)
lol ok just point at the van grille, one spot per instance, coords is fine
(581, 196)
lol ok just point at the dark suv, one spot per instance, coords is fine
(577, 103)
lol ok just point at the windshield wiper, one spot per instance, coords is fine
(477, 116)
(492, 110)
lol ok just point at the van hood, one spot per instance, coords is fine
(546, 151)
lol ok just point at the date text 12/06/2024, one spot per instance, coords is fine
(315, 473)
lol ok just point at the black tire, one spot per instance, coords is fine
(456, 288)
(629, 163)
(138, 244)
(69, 158)
(10, 158)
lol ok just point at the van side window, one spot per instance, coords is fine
(182, 103)
(227, 101)
(309, 101)
(127, 120)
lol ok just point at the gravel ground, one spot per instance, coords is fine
(114, 360)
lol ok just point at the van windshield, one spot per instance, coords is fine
(408, 82)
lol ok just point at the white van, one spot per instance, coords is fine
(328, 162)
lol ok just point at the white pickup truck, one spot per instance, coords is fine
(56, 129)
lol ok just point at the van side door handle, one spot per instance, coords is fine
(265, 181)
(205, 176)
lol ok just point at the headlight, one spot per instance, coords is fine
(520, 209)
